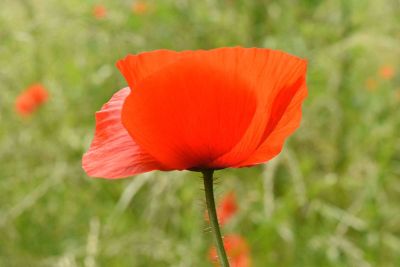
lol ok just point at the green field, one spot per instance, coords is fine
(331, 198)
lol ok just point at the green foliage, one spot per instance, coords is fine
(332, 198)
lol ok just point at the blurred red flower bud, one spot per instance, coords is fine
(30, 99)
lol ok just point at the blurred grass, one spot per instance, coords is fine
(332, 198)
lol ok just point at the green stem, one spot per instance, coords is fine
(212, 214)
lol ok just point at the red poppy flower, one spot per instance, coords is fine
(139, 7)
(227, 207)
(226, 107)
(99, 11)
(237, 250)
(29, 100)
(386, 72)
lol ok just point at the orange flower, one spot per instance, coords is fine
(196, 110)
(139, 7)
(99, 11)
(227, 208)
(237, 250)
(29, 100)
(386, 72)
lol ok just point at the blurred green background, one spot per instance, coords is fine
(332, 197)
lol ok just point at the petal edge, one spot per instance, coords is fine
(113, 153)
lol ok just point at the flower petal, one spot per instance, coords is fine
(274, 78)
(237, 250)
(137, 67)
(285, 119)
(113, 153)
(227, 207)
(189, 113)
(31, 99)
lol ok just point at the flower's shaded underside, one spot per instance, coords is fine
(227, 107)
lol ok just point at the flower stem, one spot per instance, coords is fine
(212, 214)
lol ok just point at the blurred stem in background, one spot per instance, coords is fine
(212, 214)
(344, 92)
(258, 22)
(34, 29)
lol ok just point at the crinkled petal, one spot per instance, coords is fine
(274, 77)
(137, 67)
(285, 119)
(113, 153)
